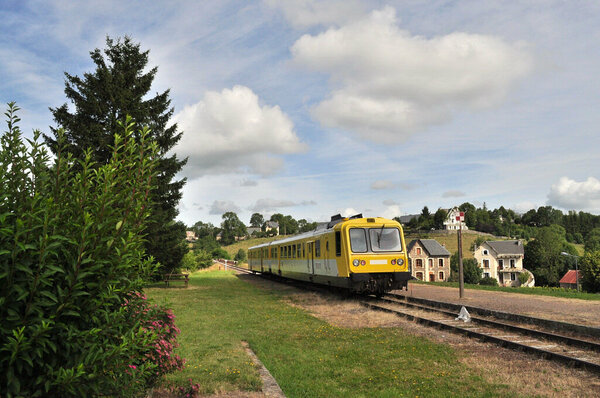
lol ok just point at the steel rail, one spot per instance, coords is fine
(571, 361)
(590, 345)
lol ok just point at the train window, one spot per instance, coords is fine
(327, 246)
(358, 240)
(299, 250)
(317, 248)
(338, 243)
(303, 250)
(385, 239)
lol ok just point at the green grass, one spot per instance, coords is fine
(245, 244)
(307, 356)
(538, 290)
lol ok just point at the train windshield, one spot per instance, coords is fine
(385, 239)
(358, 240)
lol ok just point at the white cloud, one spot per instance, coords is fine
(270, 205)
(219, 207)
(229, 131)
(382, 184)
(453, 194)
(390, 84)
(573, 195)
(392, 211)
(348, 212)
(390, 202)
(305, 13)
(248, 183)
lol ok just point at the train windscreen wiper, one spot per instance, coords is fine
(379, 236)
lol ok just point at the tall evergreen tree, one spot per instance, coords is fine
(119, 86)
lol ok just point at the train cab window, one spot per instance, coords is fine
(358, 240)
(385, 239)
(338, 243)
(317, 248)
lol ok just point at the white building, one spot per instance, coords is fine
(503, 260)
(451, 222)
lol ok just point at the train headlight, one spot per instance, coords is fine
(400, 261)
(356, 263)
(362, 262)
(393, 262)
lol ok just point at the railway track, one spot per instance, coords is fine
(571, 344)
(530, 334)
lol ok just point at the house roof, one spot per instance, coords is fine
(431, 246)
(272, 224)
(507, 246)
(570, 277)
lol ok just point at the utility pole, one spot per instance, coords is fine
(461, 277)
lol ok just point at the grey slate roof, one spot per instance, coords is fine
(431, 246)
(507, 246)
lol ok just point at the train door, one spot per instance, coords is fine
(261, 260)
(310, 258)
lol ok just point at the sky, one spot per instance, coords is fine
(313, 108)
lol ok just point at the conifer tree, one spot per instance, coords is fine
(119, 86)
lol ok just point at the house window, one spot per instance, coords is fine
(419, 263)
(486, 263)
(485, 253)
(418, 250)
(420, 276)
(513, 276)
(501, 264)
(431, 262)
(512, 263)
(432, 277)
(440, 262)
(441, 276)
(486, 274)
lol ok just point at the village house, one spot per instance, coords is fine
(502, 260)
(190, 236)
(429, 260)
(270, 225)
(452, 223)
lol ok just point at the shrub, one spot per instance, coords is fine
(488, 281)
(71, 252)
(523, 277)
(240, 256)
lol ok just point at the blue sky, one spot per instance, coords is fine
(313, 108)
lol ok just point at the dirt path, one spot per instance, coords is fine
(584, 312)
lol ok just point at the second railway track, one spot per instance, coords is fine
(572, 349)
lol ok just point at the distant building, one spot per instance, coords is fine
(190, 236)
(408, 218)
(569, 280)
(503, 260)
(270, 225)
(451, 223)
(429, 260)
(252, 230)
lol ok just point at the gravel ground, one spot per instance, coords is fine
(583, 312)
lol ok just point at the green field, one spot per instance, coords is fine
(307, 356)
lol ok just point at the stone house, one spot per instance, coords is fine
(429, 260)
(270, 225)
(502, 260)
(452, 223)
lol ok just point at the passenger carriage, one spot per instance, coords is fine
(364, 255)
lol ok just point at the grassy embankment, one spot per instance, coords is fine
(307, 356)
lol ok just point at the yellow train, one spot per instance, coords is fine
(364, 255)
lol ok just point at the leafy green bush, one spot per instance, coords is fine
(523, 278)
(71, 252)
(488, 281)
(240, 255)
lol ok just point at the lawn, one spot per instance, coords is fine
(307, 356)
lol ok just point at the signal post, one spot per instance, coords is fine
(461, 278)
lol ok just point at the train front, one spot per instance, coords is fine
(376, 257)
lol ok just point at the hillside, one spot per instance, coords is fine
(449, 240)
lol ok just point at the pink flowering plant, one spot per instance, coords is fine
(157, 323)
